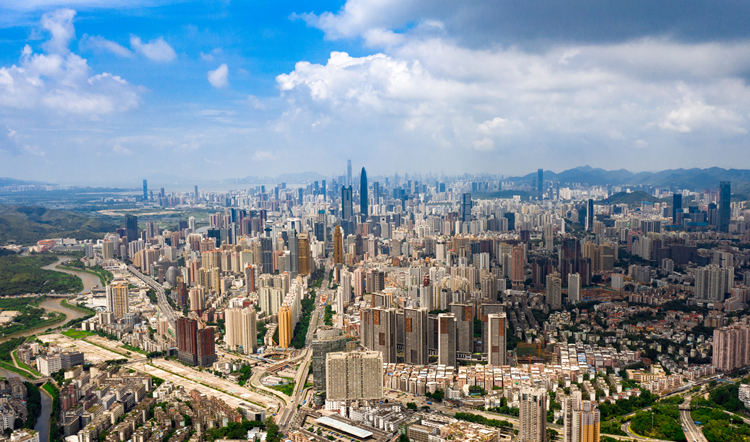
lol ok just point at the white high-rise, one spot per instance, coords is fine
(574, 288)
(533, 415)
(242, 330)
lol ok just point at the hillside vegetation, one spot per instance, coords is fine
(28, 224)
(24, 274)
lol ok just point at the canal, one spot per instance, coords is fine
(42, 424)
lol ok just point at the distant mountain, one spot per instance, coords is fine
(631, 199)
(691, 179)
(14, 182)
(29, 224)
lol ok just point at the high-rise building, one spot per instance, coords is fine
(554, 291)
(293, 245)
(581, 420)
(540, 184)
(356, 375)
(338, 246)
(303, 246)
(117, 300)
(713, 282)
(379, 331)
(725, 212)
(363, 203)
(519, 262)
(731, 347)
(108, 249)
(497, 341)
(285, 326)
(347, 208)
(241, 330)
(465, 208)
(590, 215)
(463, 313)
(574, 288)
(447, 339)
(676, 205)
(326, 340)
(266, 248)
(145, 190)
(195, 346)
(415, 336)
(131, 227)
(533, 415)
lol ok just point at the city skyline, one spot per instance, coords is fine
(94, 90)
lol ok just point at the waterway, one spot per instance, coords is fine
(54, 305)
(42, 424)
(89, 280)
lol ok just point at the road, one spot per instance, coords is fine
(692, 432)
(160, 295)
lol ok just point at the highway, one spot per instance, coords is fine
(692, 432)
(160, 295)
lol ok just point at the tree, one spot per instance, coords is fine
(411, 405)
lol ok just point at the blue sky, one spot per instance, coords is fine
(95, 92)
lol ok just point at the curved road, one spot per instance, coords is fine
(88, 279)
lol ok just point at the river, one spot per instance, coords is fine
(54, 305)
(42, 424)
(89, 280)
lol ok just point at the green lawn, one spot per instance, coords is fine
(77, 334)
(10, 367)
(286, 389)
(23, 365)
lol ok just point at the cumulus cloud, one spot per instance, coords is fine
(117, 148)
(59, 23)
(219, 77)
(156, 50)
(263, 155)
(98, 43)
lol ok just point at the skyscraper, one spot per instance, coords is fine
(496, 336)
(195, 346)
(447, 339)
(379, 331)
(117, 300)
(676, 205)
(517, 277)
(346, 203)
(590, 215)
(266, 247)
(293, 245)
(338, 246)
(725, 213)
(349, 172)
(303, 246)
(363, 209)
(241, 330)
(145, 190)
(326, 340)
(415, 336)
(131, 227)
(554, 291)
(356, 375)
(540, 184)
(581, 420)
(465, 207)
(285, 326)
(533, 415)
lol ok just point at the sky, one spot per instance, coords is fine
(96, 92)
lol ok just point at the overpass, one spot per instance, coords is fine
(161, 297)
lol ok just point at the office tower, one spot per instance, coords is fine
(117, 300)
(447, 339)
(293, 245)
(349, 172)
(415, 336)
(465, 208)
(347, 208)
(464, 316)
(554, 291)
(338, 246)
(379, 331)
(326, 340)
(725, 212)
(533, 415)
(518, 268)
(713, 282)
(496, 344)
(676, 205)
(145, 190)
(195, 194)
(574, 288)
(285, 326)
(108, 249)
(266, 249)
(187, 344)
(131, 227)
(540, 184)
(590, 215)
(303, 246)
(241, 330)
(363, 203)
(249, 279)
(356, 375)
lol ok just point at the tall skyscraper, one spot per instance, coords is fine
(356, 375)
(338, 246)
(131, 227)
(285, 326)
(554, 291)
(293, 245)
(725, 212)
(540, 184)
(497, 341)
(415, 336)
(533, 415)
(117, 300)
(303, 246)
(447, 339)
(590, 215)
(195, 346)
(379, 331)
(241, 330)
(266, 247)
(195, 194)
(463, 313)
(349, 172)
(326, 340)
(581, 420)
(465, 207)
(676, 205)
(574, 288)
(363, 203)
(346, 203)
(519, 263)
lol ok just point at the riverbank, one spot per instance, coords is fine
(53, 304)
(43, 423)
(89, 280)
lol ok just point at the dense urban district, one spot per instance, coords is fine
(423, 310)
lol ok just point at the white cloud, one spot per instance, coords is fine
(211, 55)
(263, 155)
(156, 50)
(641, 144)
(59, 23)
(219, 77)
(484, 144)
(100, 43)
(121, 150)
(255, 102)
